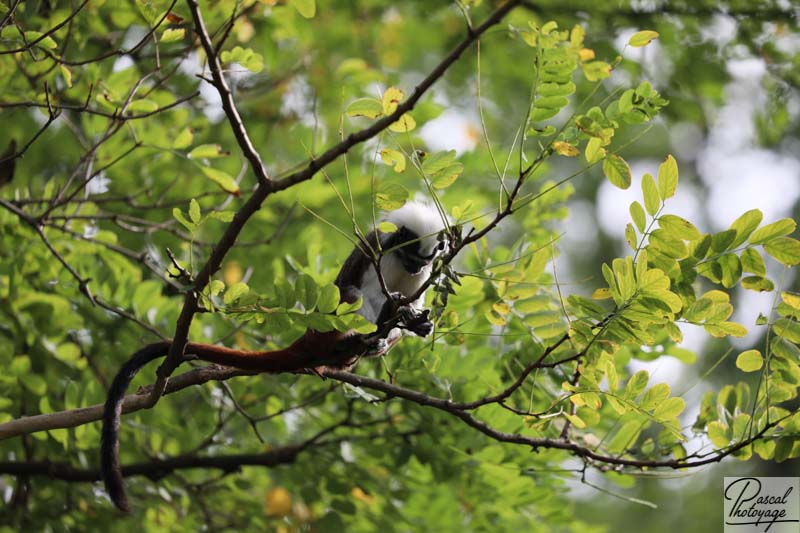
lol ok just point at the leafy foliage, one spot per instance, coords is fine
(138, 197)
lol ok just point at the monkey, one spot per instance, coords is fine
(406, 263)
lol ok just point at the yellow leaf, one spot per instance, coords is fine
(601, 294)
(277, 502)
(586, 54)
(405, 124)
(391, 98)
(566, 149)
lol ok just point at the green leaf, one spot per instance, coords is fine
(617, 171)
(194, 211)
(784, 226)
(170, 35)
(224, 216)
(785, 250)
(207, 151)
(757, 283)
(723, 240)
(638, 216)
(34, 383)
(753, 262)
(731, 270)
(636, 384)
(223, 179)
(575, 420)
(365, 107)
(177, 214)
(47, 42)
(438, 161)
(642, 38)
(141, 106)
(306, 291)
(652, 201)
(750, 361)
(306, 8)
(328, 299)
(625, 437)
(234, 292)
(668, 177)
(391, 196)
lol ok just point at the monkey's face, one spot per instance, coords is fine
(415, 252)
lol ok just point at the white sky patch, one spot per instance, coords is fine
(741, 176)
(452, 130)
(122, 63)
(664, 369)
(298, 100)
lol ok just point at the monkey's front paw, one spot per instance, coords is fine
(416, 321)
(377, 347)
(422, 329)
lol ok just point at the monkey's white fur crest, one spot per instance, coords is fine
(423, 219)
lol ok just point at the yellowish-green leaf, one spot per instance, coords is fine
(668, 177)
(750, 361)
(184, 139)
(719, 434)
(784, 226)
(601, 294)
(792, 300)
(391, 196)
(679, 227)
(394, 159)
(617, 171)
(194, 211)
(745, 225)
(404, 124)
(638, 216)
(575, 420)
(594, 151)
(757, 283)
(306, 8)
(642, 38)
(66, 73)
(724, 329)
(785, 250)
(753, 262)
(365, 107)
(387, 227)
(652, 200)
(223, 179)
(172, 34)
(207, 151)
(234, 292)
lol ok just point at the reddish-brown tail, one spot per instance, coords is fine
(310, 350)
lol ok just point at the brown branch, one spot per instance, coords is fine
(228, 105)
